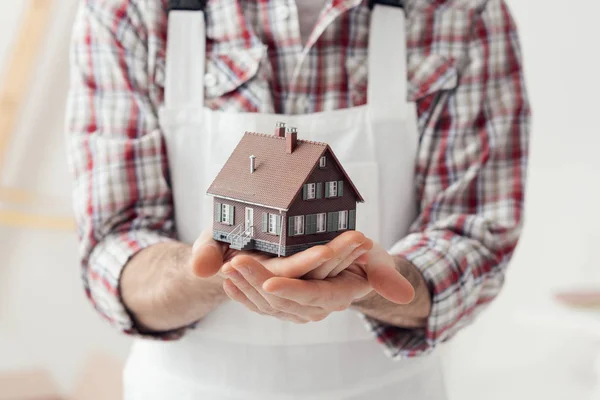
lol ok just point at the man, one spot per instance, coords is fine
(423, 102)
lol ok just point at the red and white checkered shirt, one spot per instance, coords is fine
(465, 74)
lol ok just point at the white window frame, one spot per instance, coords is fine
(333, 188)
(343, 220)
(323, 162)
(321, 222)
(299, 225)
(272, 225)
(311, 191)
(225, 210)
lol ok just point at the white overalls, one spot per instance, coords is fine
(237, 354)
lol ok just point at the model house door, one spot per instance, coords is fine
(249, 221)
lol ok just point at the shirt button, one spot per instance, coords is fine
(210, 80)
(283, 12)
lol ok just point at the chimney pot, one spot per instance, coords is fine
(280, 129)
(291, 140)
(252, 164)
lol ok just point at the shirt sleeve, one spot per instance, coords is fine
(122, 199)
(470, 178)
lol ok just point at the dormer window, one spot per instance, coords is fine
(323, 162)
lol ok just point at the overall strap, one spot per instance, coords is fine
(187, 5)
(185, 55)
(387, 89)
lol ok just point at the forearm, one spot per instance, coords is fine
(412, 315)
(162, 293)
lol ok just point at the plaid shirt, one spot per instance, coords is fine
(465, 75)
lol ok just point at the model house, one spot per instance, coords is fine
(282, 195)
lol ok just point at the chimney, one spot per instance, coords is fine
(291, 140)
(252, 164)
(280, 129)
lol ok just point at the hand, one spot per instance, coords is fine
(246, 278)
(379, 274)
(250, 283)
(208, 256)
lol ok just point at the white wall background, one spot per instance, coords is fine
(45, 321)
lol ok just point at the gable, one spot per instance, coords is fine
(278, 175)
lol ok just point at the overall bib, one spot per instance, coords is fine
(234, 353)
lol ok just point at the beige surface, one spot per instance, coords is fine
(20, 68)
(28, 385)
(101, 379)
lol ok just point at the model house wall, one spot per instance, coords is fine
(346, 202)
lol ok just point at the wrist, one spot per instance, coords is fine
(160, 291)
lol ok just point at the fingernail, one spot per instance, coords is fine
(245, 271)
(356, 245)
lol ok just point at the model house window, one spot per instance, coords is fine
(224, 213)
(323, 162)
(334, 189)
(273, 219)
(311, 191)
(299, 225)
(343, 220)
(321, 222)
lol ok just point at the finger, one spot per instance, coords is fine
(207, 255)
(386, 280)
(236, 294)
(342, 247)
(358, 256)
(334, 293)
(301, 263)
(255, 275)
(247, 289)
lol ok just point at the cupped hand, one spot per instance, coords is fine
(251, 283)
(209, 255)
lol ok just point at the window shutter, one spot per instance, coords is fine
(340, 188)
(330, 226)
(314, 224)
(308, 224)
(304, 192)
(291, 226)
(218, 212)
(336, 221)
(231, 215)
(352, 219)
(326, 190)
(320, 190)
(265, 223)
(278, 224)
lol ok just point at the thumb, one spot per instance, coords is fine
(386, 280)
(207, 255)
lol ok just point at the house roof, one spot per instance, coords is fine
(278, 175)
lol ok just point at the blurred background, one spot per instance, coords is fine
(526, 346)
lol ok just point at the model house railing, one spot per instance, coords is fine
(238, 238)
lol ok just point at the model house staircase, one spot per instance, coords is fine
(241, 240)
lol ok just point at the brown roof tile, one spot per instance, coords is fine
(278, 176)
